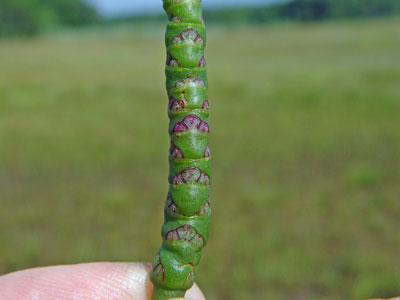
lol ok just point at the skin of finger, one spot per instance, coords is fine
(194, 294)
(95, 281)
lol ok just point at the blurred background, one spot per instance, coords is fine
(305, 99)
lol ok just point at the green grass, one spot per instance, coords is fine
(305, 141)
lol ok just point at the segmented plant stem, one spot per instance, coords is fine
(187, 208)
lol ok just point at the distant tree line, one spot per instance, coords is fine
(27, 17)
(308, 10)
(295, 10)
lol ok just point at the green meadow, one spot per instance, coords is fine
(305, 143)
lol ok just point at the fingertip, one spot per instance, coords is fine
(137, 275)
(195, 293)
(120, 281)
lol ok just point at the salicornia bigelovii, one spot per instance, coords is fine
(187, 208)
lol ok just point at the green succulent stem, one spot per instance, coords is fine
(187, 208)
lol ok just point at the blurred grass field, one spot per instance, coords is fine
(305, 140)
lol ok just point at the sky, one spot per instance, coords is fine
(112, 8)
